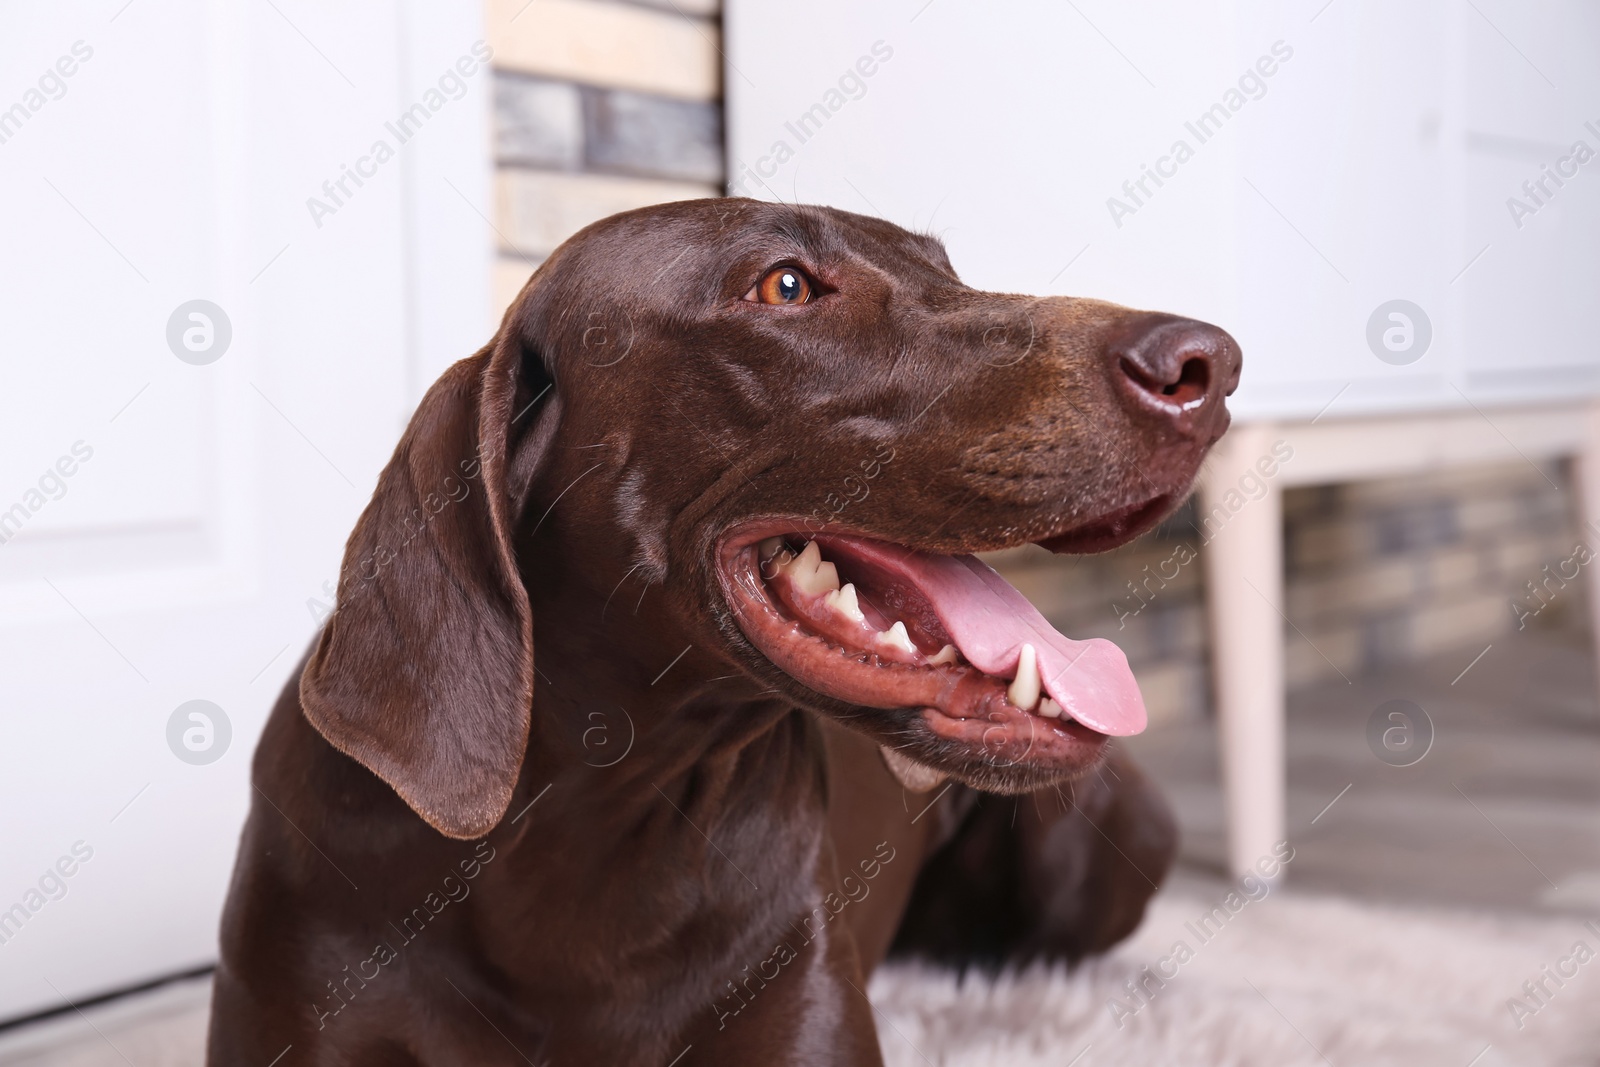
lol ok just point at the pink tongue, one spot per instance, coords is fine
(991, 621)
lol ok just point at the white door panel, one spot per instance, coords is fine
(185, 556)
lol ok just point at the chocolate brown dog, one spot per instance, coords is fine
(663, 692)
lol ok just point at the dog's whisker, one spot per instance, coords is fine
(614, 589)
(561, 494)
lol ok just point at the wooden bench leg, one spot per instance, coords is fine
(1587, 476)
(1244, 578)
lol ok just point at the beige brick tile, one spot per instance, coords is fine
(1302, 502)
(1053, 591)
(537, 210)
(1174, 691)
(611, 44)
(1484, 514)
(1168, 575)
(1305, 664)
(1520, 559)
(1354, 590)
(1449, 570)
(1474, 620)
(1489, 481)
(1329, 543)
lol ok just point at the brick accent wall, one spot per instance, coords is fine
(600, 106)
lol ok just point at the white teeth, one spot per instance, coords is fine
(773, 554)
(1024, 690)
(896, 637)
(844, 602)
(827, 577)
(807, 560)
(945, 655)
(1049, 708)
(810, 575)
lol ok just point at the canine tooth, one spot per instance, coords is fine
(1049, 708)
(947, 654)
(844, 602)
(1024, 690)
(896, 637)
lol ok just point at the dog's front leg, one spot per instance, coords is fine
(1060, 873)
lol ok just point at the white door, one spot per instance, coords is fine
(219, 301)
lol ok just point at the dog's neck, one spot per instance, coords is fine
(687, 793)
(658, 744)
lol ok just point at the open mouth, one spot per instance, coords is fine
(945, 639)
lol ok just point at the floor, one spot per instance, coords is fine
(1502, 815)
(1503, 811)
(164, 1027)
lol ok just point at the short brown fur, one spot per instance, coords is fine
(533, 755)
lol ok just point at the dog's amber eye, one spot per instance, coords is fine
(782, 285)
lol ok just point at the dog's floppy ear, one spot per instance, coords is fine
(424, 673)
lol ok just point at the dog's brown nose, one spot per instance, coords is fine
(1175, 369)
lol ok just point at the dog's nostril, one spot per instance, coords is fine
(1194, 379)
(1191, 383)
(1169, 364)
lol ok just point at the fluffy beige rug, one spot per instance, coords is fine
(1279, 982)
(1283, 981)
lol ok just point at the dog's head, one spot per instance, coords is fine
(790, 426)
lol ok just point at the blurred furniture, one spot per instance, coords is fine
(1244, 563)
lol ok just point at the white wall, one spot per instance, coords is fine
(1374, 163)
